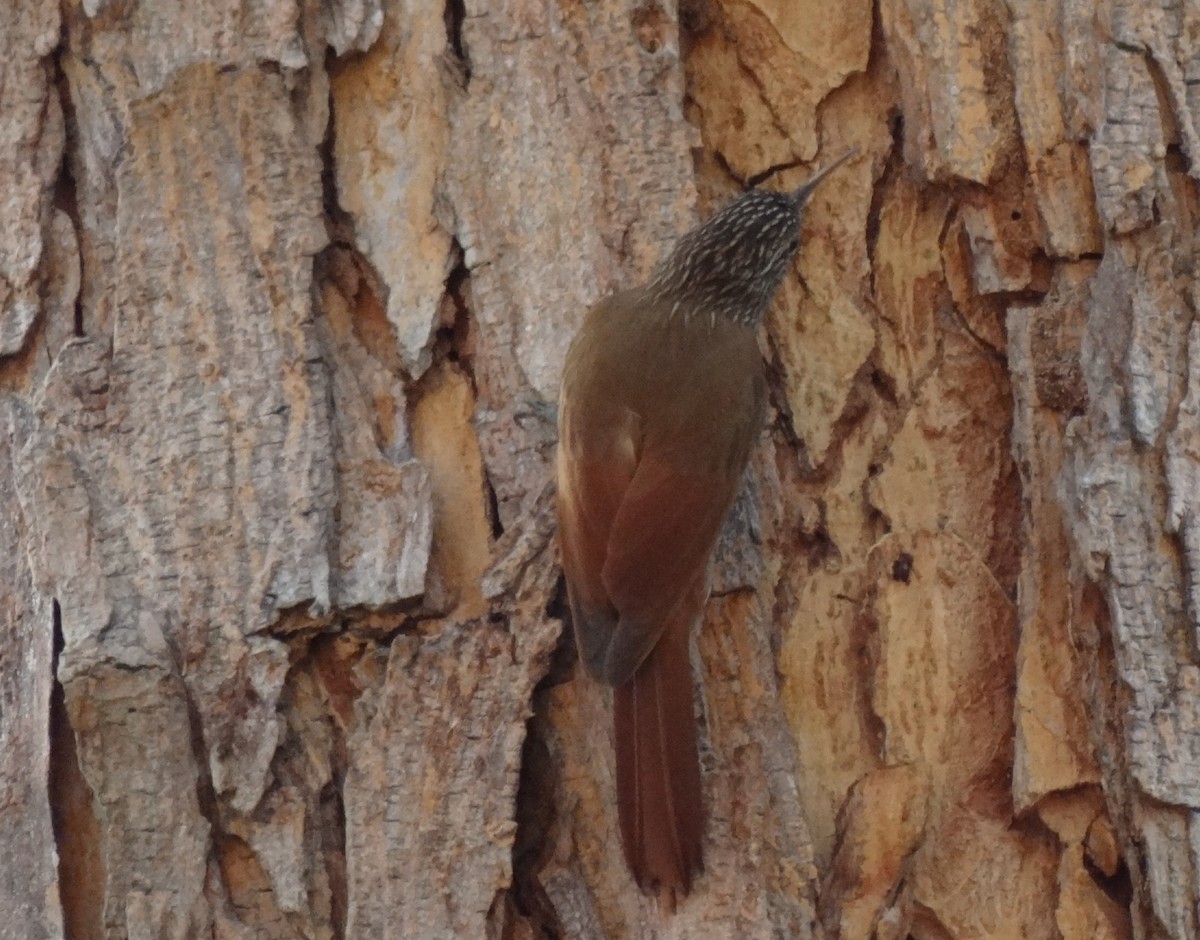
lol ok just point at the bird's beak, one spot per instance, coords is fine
(800, 196)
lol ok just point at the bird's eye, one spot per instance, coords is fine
(793, 244)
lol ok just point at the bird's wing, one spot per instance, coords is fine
(646, 477)
(594, 471)
(658, 549)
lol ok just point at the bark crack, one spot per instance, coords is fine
(81, 870)
(535, 820)
(454, 340)
(335, 671)
(456, 15)
(66, 194)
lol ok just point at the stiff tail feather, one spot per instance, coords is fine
(658, 770)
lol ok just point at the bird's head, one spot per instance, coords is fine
(732, 264)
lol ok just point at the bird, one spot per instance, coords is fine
(662, 397)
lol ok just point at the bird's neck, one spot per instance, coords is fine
(693, 299)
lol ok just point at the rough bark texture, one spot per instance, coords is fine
(285, 288)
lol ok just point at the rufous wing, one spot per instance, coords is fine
(588, 497)
(659, 546)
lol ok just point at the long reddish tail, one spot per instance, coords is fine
(658, 770)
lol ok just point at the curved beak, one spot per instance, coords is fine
(800, 196)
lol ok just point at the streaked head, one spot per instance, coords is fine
(732, 264)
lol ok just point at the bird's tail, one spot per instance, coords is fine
(658, 770)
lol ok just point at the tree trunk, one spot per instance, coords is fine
(285, 289)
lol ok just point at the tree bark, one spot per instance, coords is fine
(285, 289)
